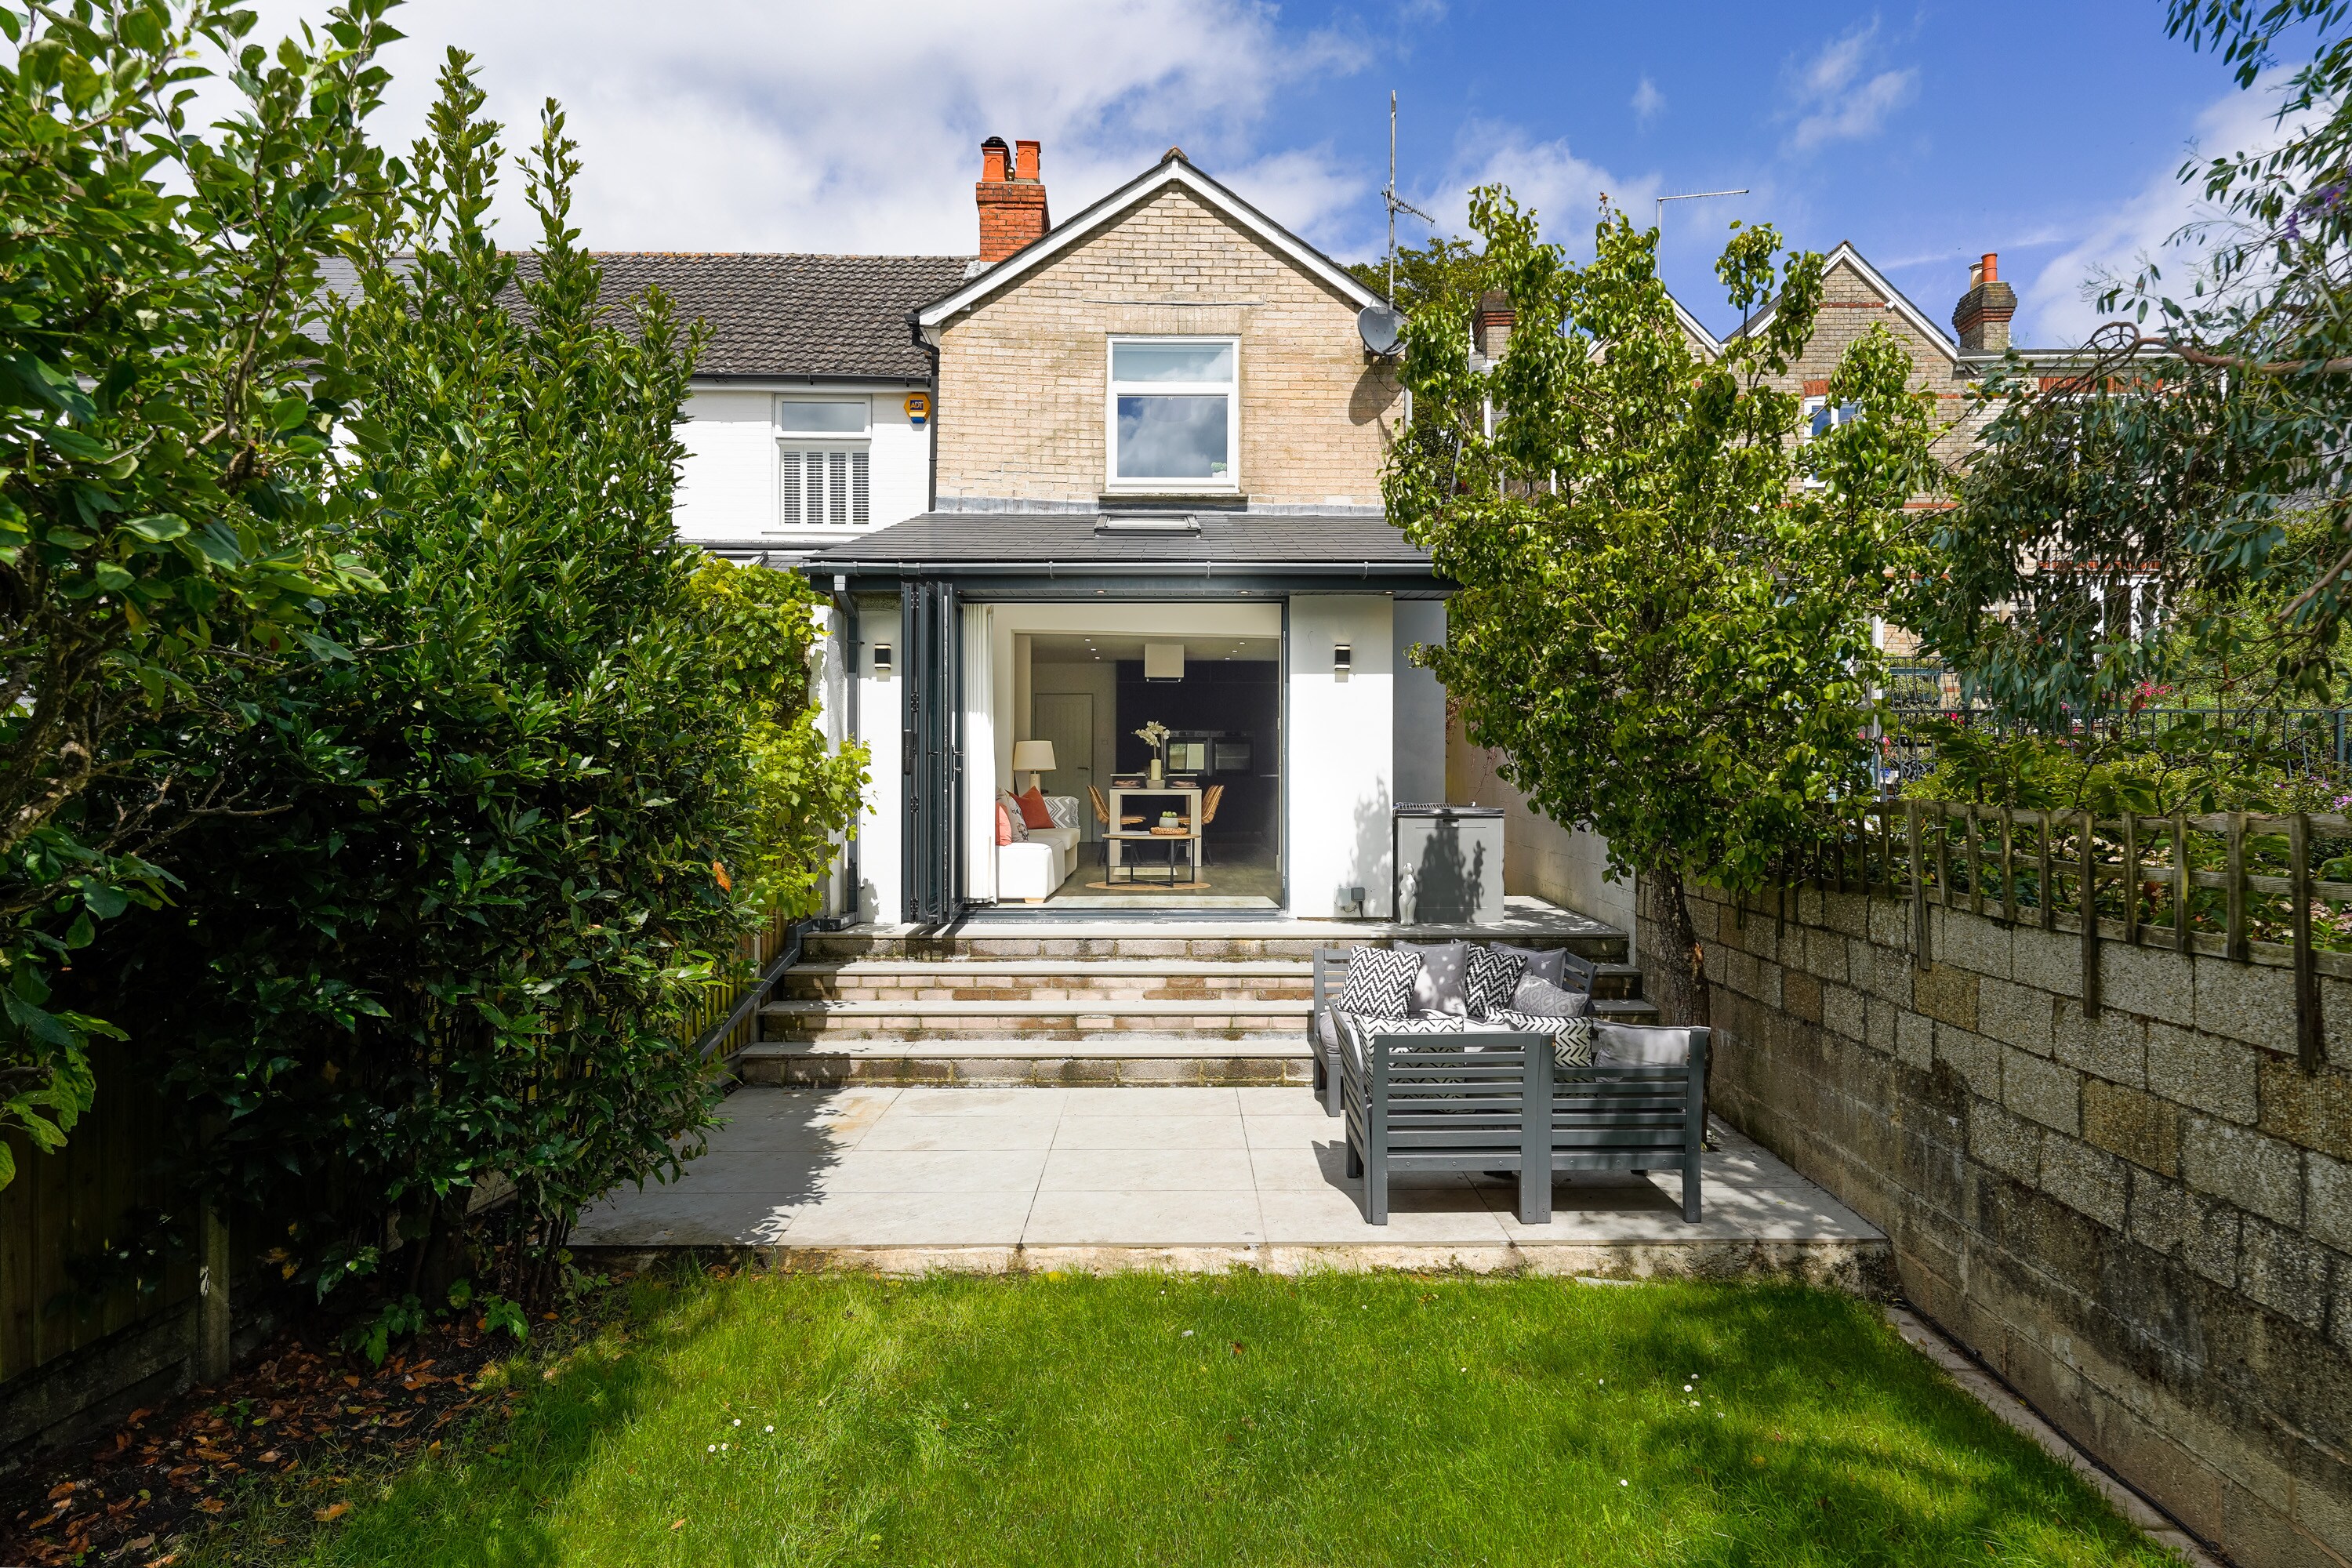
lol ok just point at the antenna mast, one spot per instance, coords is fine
(1395, 202)
(1660, 221)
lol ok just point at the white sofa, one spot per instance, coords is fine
(1031, 872)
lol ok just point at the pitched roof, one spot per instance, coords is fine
(794, 315)
(1203, 541)
(780, 314)
(1846, 254)
(1174, 170)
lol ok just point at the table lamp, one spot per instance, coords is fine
(1032, 757)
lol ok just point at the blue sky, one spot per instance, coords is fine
(2048, 133)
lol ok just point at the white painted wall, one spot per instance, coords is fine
(726, 485)
(1342, 747)
(880, 724)
(1566, 866)
(1420, 705)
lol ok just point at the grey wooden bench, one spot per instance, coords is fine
(1413, 1105)
(1331, 978)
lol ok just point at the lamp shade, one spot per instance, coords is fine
(1033, 756)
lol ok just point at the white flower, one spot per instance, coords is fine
(711, 1448)
(771, 1428)
(1188, 1334)
(739, 1420)
(723, 1447)
(1685, 1388)
(1620, 1483)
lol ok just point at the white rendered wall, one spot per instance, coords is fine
(1420, 705)
(880, 724)
(726, 485)
(1342, 750)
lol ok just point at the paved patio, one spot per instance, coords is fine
(916, 1178)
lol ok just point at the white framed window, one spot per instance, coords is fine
(1172, 419)
(822, 461)
(1821, 417)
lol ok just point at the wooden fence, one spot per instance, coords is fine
(67, 1209)
(2245, 886)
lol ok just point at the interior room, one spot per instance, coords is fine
(1148, 730)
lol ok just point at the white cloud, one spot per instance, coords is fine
(2058, 307)
(1564, 189)
(745, 125)
(1648, 102)
(1834, 101)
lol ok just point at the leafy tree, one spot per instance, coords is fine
(1445, 274)
(760, 626)
(459, 958)
(1664, 613)
(162, 434)
(2177, 456)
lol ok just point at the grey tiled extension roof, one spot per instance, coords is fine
(1042, 539)
(782, 315)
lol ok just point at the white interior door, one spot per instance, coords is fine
(1067, 719)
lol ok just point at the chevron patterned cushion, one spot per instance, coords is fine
(1493, 975)
(1380, 982)
(1571, 1038)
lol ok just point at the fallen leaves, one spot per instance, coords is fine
(333, 1510)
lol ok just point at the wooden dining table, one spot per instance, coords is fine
(1115, 837)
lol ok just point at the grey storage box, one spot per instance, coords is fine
(1449, 865)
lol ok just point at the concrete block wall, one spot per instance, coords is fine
(2143, 1220)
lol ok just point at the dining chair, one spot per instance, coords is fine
(1102, 816)
(1208, 815)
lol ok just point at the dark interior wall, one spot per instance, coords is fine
(1240, 698)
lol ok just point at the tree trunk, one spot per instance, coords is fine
(1684, 997)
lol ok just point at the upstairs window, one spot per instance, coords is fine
(822, 460)
(1174, 412)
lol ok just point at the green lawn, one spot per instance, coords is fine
(1236, 1419)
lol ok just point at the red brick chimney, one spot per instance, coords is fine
(1982, 315)
(1492, 328)
(1012, 199)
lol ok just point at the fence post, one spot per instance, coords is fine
(2131, 876)
(2234, 935)
(2090, 919)
(2008, 866)
(1976, 861)
(1920, 957)
(2306, 973)
(212, 1297)
(2180, 932)
(2042, 881)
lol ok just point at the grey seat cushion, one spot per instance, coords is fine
(1327, 1031)
(1642, 1046)
(1442, 985)
(1543, 963)
(1546, 1000)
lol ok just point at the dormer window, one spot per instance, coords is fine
(1174, 410)
(822, 463)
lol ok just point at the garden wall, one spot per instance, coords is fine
(2142, 1219)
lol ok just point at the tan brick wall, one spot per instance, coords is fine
(2142, 1219)
(1850, 308)
(1023, 377)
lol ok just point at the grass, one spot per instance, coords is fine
(817, 1419)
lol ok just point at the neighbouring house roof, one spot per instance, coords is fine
(784, 315)
(1174, 171)
(1178, 543)
(1846, 254)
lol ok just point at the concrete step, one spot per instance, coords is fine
(1196, 940)
(1119, 1059)
(1062, 1019)
(1107, 981)
(1615, 980)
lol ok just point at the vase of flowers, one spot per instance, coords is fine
(1155, 735)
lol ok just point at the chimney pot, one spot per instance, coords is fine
(1012, 210)
(1991, 264)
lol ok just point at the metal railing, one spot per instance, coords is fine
(725, 1020)
(2252, 888)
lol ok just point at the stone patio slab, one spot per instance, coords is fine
(989, 1178)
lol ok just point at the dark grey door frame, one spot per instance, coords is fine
(931, 758)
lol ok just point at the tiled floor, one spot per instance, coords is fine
(884, 1170)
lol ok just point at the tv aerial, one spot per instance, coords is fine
(1381, 325)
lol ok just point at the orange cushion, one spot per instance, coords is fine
(1003, 825)
(1032, 808)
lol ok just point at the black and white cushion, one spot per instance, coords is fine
(1380, 984)
(1493, 976)
(1571, 1038)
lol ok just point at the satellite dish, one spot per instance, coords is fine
(1380, 326)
